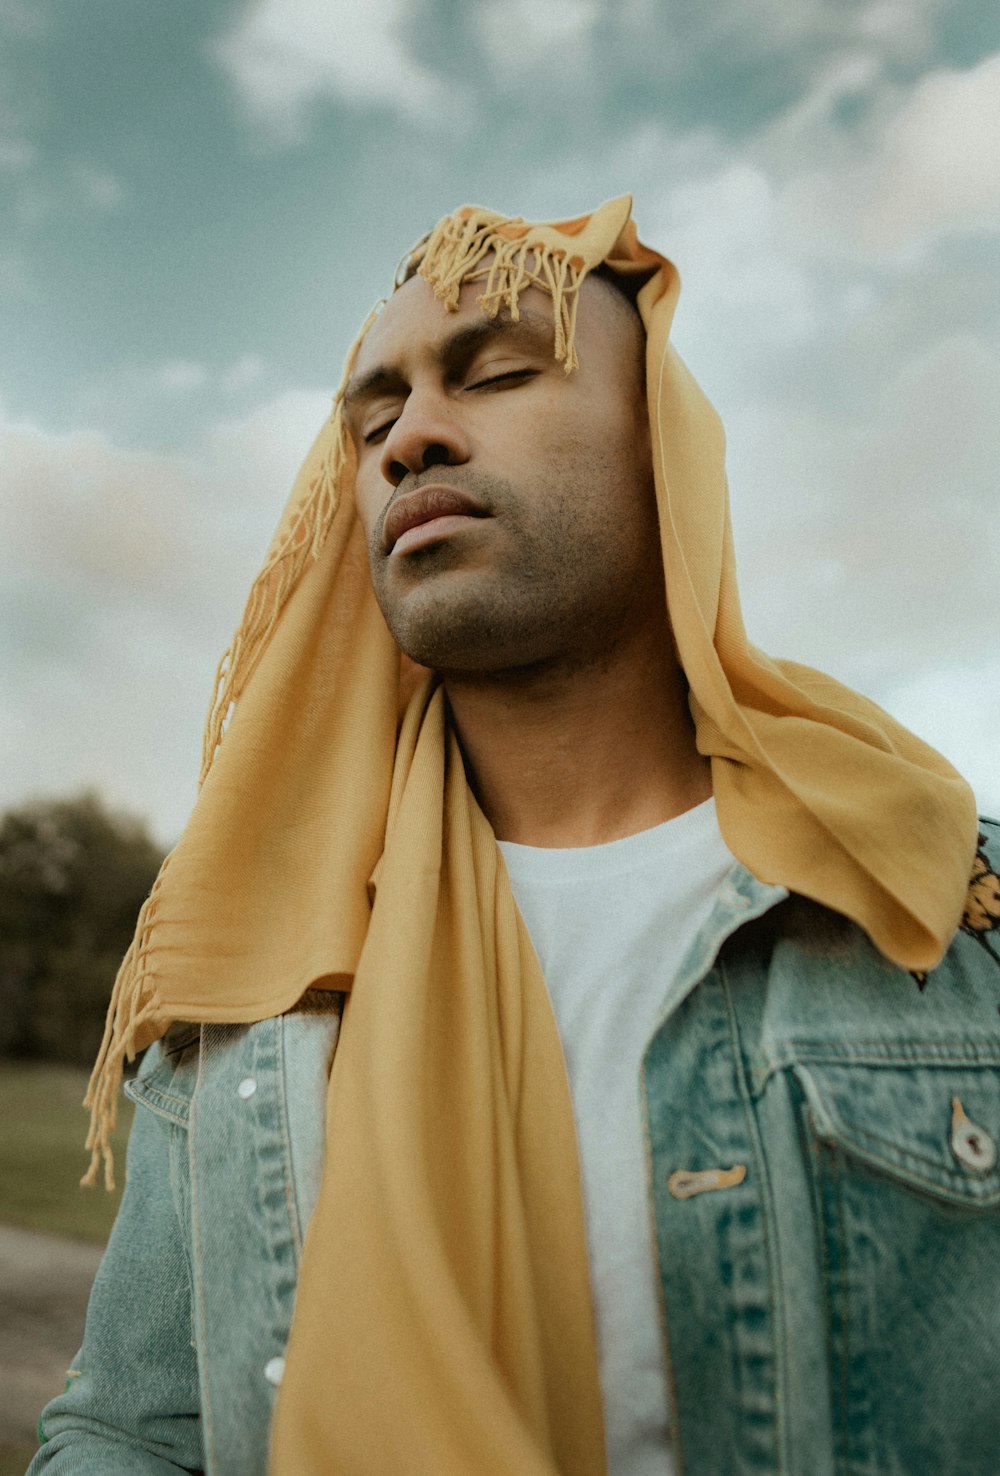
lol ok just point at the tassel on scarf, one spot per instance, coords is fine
(453, 253)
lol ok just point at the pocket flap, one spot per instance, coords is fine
(167, 1076)
(936, 1127)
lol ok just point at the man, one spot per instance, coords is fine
(661, 1126)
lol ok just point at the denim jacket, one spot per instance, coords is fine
(822, 1131)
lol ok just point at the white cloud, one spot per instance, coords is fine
(16, 154)
(927, 163)
(722, 227)
(87, 516)
(15, 277)
(27, 19)
(160, 402)
(98, 186)
(178, 376)
(807, 131)
(869, 547)
(818, 245)
(939, 164)
(901, 28)
(868, 544)
(246, 371)
(42, 192)
(774, 42)
(957, 710)
(521, 35)
(283, 55)
(122, 577)
(257, 455)
(865, 511)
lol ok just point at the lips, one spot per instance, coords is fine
(427, 505)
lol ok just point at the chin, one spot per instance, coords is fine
(451, 658)
(500, 626)
(447, 634)
(457, 649)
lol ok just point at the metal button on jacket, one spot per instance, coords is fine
(246, 1088)
(970, 1143)
(274, 1370)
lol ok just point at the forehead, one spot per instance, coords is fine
(415, 322)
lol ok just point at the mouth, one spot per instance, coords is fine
(419, 518)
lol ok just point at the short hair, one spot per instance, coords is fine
(628, 285)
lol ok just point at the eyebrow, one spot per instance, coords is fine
(462, 343)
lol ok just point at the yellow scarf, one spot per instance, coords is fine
(443, 1320)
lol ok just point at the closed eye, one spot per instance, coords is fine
(508, 375)
(370, 437)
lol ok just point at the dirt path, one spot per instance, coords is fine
(44, 1285)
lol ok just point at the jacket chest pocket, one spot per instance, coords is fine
(904, 1159)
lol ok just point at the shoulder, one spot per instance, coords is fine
(826, 976)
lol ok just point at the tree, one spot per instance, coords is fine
(73, 875)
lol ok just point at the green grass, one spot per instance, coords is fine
(42, 1130)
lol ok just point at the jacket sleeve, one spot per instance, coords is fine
(131, 1406)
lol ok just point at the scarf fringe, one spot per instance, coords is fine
(453, 254)
(269, 592)
(301, 543)
(133, 1004)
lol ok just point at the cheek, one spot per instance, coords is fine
(369, 497)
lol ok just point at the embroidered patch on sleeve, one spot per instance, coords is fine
(982, 905)
(981, 915)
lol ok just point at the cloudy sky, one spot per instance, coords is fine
(200, 200)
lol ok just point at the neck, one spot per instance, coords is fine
(581, 757)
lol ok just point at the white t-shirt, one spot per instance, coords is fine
(611, 925)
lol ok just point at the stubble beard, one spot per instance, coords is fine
(552, 602)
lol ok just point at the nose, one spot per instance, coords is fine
(427, 433)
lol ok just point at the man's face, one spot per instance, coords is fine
(508, 506)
